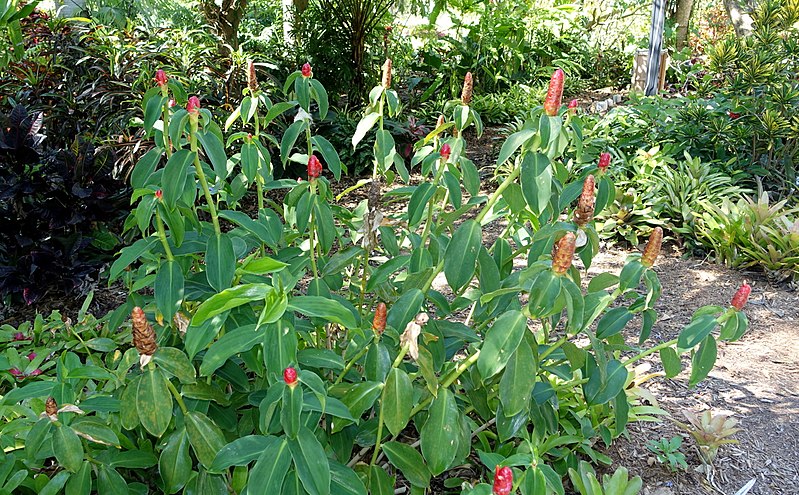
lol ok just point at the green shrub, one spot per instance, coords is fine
(302, 346)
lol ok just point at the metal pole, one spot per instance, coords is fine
(655, 47)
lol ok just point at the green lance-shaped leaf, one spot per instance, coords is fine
(322, 307)
(145, 168)
(169, 289)
(291, 412)
(205, 437)
(80, 483)
(176, 363)
(405, 309)
(110, 482)
(311, 462)
(671, 362)
(512, 144)
(215, 151)
(500, 343)
(271, 468)
(703, 360)
(229, 299)
(344, 481)
(417, 205)
(440, 433)
(173, 180)
(67, 448)
(516, 385)
(600, 389)
(220, 261)
(238, 340)
(409, 461)
(696, 331)
(175, 463)
(536, 180)
(128, 411)
(289, 138)
(241, 451)
(460, 260)
(153, 402)
(363, 127)
(613, 322)
(397, 401)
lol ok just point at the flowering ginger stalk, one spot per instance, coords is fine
(290, 377)
(379, 321)
(143, 336)
(554, 94)
(563, 253)
(652, 249)
(739, 299)
(503, 481)
(585, 206)
(468, 88)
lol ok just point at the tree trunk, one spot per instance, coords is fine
(739, 16)
(682, 18)
(225, 19)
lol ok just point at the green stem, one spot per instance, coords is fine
(495, 196)
(403, 351)
(553, 348)
(351, 363)
(162, 235)
(203, 181)
(647, 352)
(177, 397)
(376, 450)
(448, 380)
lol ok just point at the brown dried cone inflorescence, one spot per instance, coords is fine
(563, 253)
(585, 206)
(50, 407)
(252, 79)
(441, 121)
(652, 249)
(386, 81)
(143, 335)
(468, 87)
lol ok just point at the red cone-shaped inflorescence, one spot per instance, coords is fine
(306, 70)
(314, 167)
(161, 78)
(739, 299)
(379, 321)
(468, 89)
(290, 377)
(503, 481)
(563, 253)
(573, 106)
(193, 107)
(652, 249)
(604, 162)
(585, 207)
(554, 94)
(446, 151)
(159, 195)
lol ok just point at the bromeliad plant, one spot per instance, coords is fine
(313, 349)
